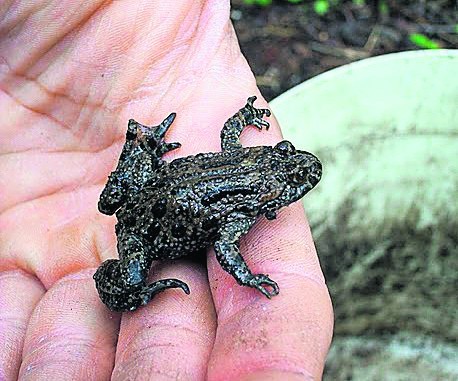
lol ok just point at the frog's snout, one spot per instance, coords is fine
(315, 171)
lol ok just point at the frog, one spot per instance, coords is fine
(168, 210)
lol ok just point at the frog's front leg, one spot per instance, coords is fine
(229, 257)
(246, 116)
(121, 283)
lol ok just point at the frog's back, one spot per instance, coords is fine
(217, 183)
(184, 205)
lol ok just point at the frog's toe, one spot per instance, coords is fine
(251, 100)
(166, 147)
(160, 130)
(260, 123)
(266, 285)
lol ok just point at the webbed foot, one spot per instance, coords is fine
(152, 137)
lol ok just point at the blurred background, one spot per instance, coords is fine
(289, 41)
(385, 215)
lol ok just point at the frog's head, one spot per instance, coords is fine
(134, 165)
(297, 171)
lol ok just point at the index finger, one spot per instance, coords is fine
(288, 336)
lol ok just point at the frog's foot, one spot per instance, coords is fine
(152, 137)
(147, 293)
(263, 283)
(119, 296)
(246, 116)
(253, 116)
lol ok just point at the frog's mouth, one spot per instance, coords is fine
(271, 195)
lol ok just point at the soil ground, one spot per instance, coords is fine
(286, 43)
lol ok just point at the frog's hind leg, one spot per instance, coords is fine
(230, 259)
(121, 283)
(246, 116)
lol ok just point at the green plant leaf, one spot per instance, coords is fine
(295, 1)
(261, 3)
(422, 41)
(383, 8)
(321, 7)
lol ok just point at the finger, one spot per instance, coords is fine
(171, 337)
(19, 292)
(71, 335)
(287, 335)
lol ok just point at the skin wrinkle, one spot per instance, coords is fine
(13, 323)
(18, 295)
(57, 341)
(62, 187)
(190, 54)
(256, 355)
(153, 373)
(118, 142)
(67, 328)
(17, 272)
(45, 197)
(170, 68)
(241, 307)
(163, 54)
(50, 94)
(163, 324)
(66, 28)
(143, 350)
(33, 370)
(58, 190)
(54, 94)
(317, 279)
(26, 15)
(276, 363)
(19, 266)
(15, 263)
(47, 275)
(66, 186)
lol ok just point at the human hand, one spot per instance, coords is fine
(71, 74)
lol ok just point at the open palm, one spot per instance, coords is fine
(71, 74)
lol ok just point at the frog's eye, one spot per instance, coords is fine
(285, 147)
(299, 176)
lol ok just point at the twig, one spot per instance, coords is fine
(349, 53)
